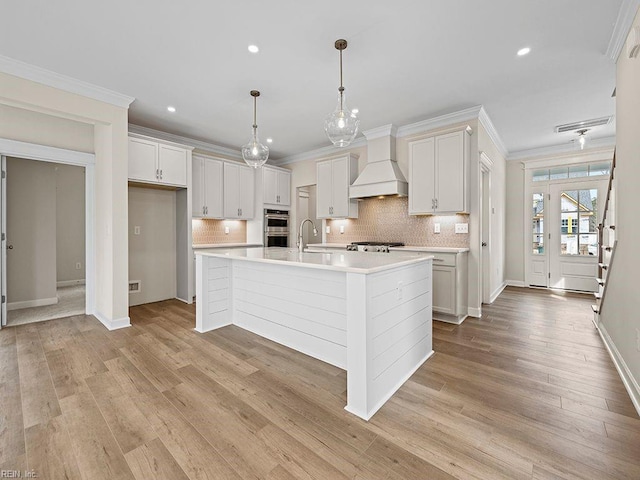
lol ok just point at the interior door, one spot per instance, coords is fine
(3, 244)
(573, 246)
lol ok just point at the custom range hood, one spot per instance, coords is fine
(381, 175)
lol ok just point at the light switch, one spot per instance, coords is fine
(226, 230)
(136, 230)
(436, 228)
(462, 228)
(341, 228)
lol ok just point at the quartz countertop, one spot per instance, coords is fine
(406, 248)
(225, 245)
(354, 262)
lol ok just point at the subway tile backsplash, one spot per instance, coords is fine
(207, 231)
(388, 220)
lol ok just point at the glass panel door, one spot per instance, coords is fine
(537, 270)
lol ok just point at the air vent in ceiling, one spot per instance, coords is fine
(572, 127)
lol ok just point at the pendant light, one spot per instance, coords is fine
(254, 153)
(342, 124)
(581, 142)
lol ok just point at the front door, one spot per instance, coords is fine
(573, 235)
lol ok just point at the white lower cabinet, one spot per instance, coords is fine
(449, 286)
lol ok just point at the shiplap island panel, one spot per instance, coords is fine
(368, 313)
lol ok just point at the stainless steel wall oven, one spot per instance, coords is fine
(276, 228)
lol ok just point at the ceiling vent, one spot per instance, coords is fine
(572, 127)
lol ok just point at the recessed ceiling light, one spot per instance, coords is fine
(523, 51)
(269, 140)
(253, 48)
(171, 109)
(355, 110)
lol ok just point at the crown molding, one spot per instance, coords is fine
(439, 122)
(486, 122)
(322, 152)
(171, 137)
(563, 149)
(626, 14)
(40, 75)
(389, 130)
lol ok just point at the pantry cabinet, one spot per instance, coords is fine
(238, 191)
(207, 187)
(438, 174)
(156, 162)
(334, 177)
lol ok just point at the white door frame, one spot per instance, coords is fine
(43, 153)
(485, 226)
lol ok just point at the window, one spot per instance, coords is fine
(579, 222)
(538, 224)
(573, 171)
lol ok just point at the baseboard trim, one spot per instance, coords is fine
(475, 312)
(515, 283)
(70, 283)
(40, 302)
(497, 292)
(113, 324)
(630, 383)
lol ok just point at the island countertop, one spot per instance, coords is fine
(343, 261)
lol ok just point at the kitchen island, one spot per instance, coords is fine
(367, 313)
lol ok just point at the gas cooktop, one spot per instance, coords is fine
(373, 246)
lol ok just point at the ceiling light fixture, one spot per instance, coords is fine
(171, 109)
(254, 153)
(253, 48)
(582, 138)
(523, 51)
(341, 126)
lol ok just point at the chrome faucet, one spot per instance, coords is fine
(300, 239)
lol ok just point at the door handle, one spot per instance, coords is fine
(9, 247)
(484, 244)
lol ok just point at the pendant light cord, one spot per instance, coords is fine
(255, 126)
(341, 89)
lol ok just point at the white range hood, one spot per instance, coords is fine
(381, 175)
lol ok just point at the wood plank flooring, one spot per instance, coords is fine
(526, 392)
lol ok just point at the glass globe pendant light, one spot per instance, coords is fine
(254, 153)
(342, 124)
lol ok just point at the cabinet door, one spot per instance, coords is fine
(213, 188)
(284, 188)
(324, 189)
(231, 190)
(269, 185)
(444, 289)
(143, 160)
(450, 172)
(197, 188)
(173, 165)
(246, 192)
(340, 190)
(421, 176)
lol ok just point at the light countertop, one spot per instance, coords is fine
(354, 262)
(406, 248)
(225, 245)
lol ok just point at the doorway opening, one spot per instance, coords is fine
(45, 233)
(486, 211)
(306, 208)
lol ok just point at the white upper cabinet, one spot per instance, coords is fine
(334, 177)
(438, 174)
(276, 187)
(207, 187)
(238, 191)
(155, 162)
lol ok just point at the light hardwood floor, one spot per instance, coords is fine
(526, 392)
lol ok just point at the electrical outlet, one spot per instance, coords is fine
(136, 230)
(462, 228)
(436, 228)
(341, 228)
(226, 230)
(78, 266)
(327, 229)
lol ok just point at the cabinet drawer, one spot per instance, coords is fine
(443, 259)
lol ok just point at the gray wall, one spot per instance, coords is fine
(152, 254)
(31, 229)
(70, 223)
(514, 268)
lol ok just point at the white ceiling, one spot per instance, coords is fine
(407, 60)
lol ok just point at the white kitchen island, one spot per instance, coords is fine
(368, 313)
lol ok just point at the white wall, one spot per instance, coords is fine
(619, 314)
(51, 109)
(70, 223)
(514, 238)
(152, 254)
(31, 229)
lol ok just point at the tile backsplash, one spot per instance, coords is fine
(388, 220)
(207, 231)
